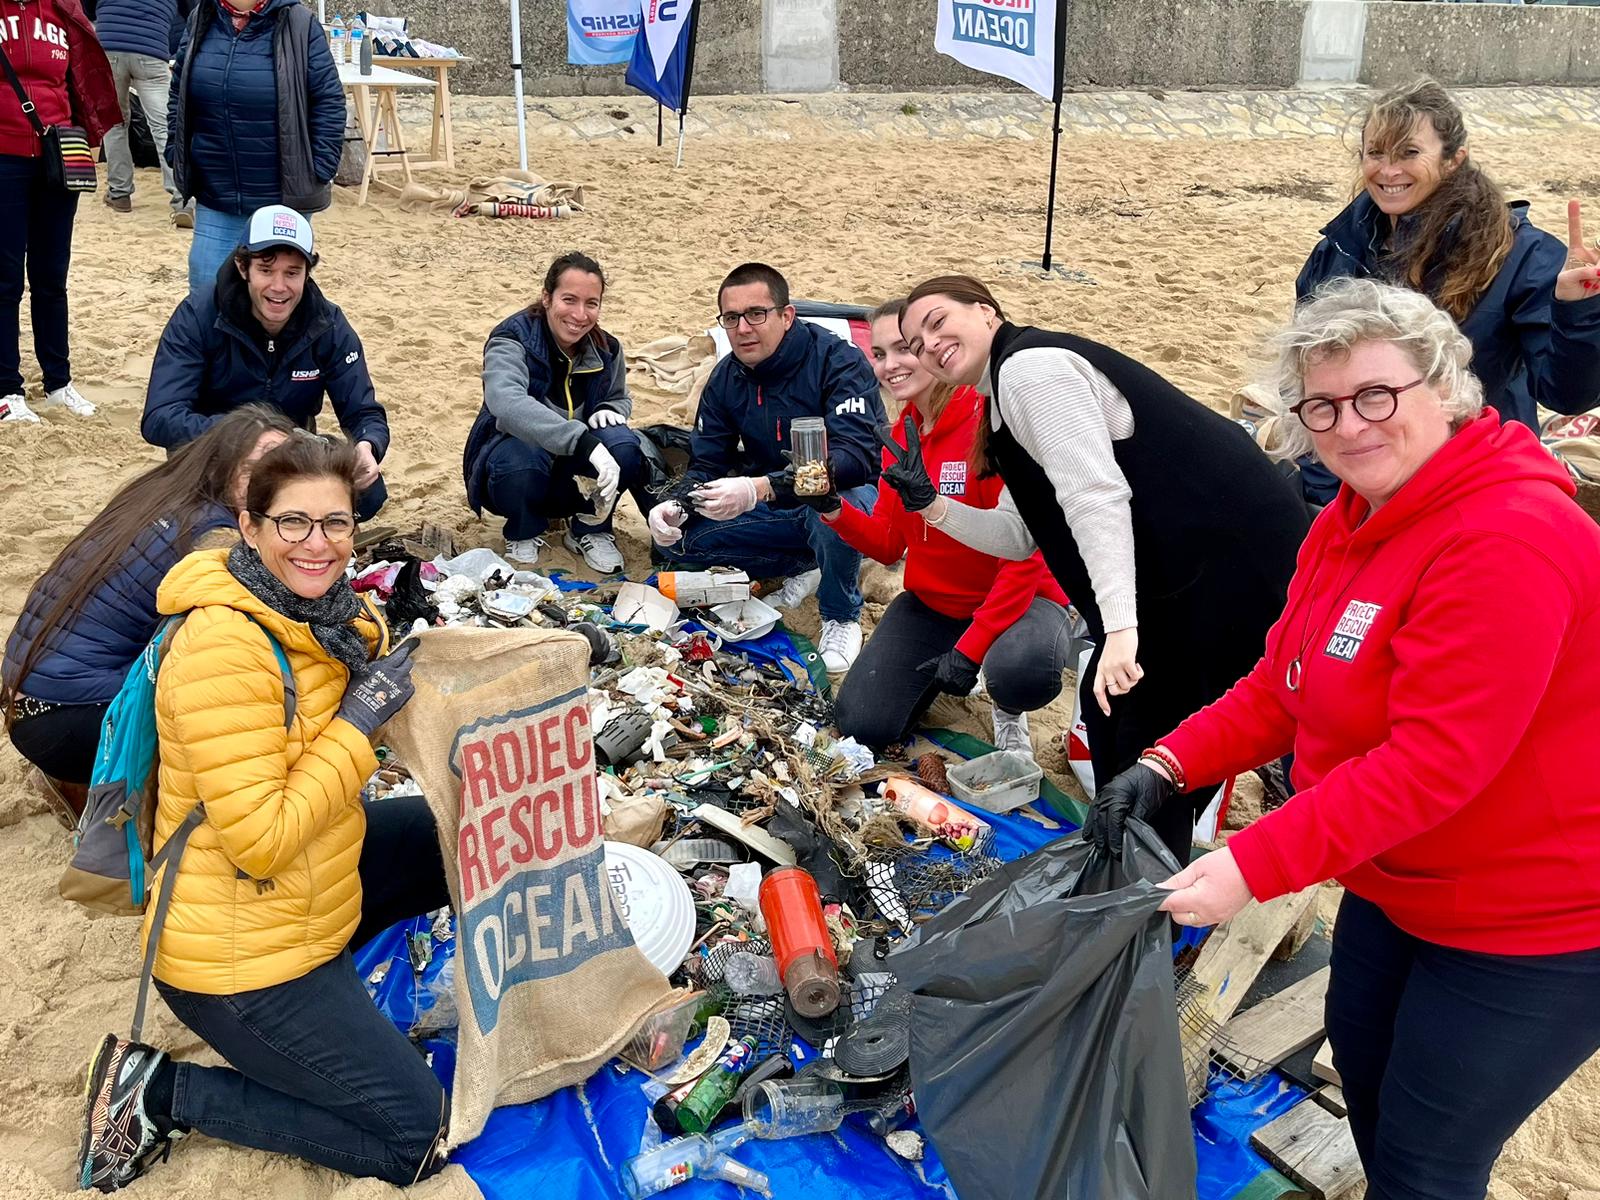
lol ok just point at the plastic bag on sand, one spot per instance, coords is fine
(1044, 1033)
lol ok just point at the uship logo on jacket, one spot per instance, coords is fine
(1352, 630)
(305, 376)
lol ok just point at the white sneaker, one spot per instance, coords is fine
(599, 550)
(72, 399)
(796, 588)
(840, 643)
(524, 551)
(1011, 731)
(15, 408)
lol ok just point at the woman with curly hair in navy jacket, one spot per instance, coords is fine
(256, 118)
(1425, 216)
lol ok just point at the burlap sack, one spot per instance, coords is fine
(548, 981)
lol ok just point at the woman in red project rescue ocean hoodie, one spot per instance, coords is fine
(51, 46)
(960, 609)
(1437, 674)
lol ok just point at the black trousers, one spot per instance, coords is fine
(1444, 1053)
(36, 244)
(884, 696)
(62, 742)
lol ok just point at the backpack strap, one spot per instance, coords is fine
(171, 854)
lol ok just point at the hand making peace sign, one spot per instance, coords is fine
(1581, 278)
(907, 474)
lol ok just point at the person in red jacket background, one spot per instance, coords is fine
(961, 610)
(51, 45)
(1437, 673)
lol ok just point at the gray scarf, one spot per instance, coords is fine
(329, 616)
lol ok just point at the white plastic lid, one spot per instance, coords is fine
(655, 901)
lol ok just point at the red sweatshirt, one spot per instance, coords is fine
(948, 577)
(52, 46)
(1448, 708)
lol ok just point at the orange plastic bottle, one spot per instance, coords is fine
(807, 965)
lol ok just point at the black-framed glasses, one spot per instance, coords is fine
(297, 527)
(1373, 404)
(756, 316)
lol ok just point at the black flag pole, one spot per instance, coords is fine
(688, 75)
(659, 111)
(1055, 136)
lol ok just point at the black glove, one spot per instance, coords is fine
(784, 495)
(379, 690)
(907, 475)
(1138, 792)
(952, 672)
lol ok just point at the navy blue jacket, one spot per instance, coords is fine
(1528, 348)
(89, 657)
(136, 26)
(742, 426)
(241, 137)
(214, 357)
(522, 399)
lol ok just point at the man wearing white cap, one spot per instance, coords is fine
(265, 334)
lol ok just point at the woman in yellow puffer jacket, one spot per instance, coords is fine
(287, 868)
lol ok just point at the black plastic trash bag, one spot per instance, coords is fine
(1044, 1031)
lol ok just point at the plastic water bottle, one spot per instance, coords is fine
(752, 974)
(358, 34)
(336, 40)
(696, 1157)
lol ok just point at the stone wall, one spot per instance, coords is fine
(751, 46)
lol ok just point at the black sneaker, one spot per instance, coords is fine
(119, 1138)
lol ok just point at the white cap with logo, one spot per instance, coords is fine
(278, 225)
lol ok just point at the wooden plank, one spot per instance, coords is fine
(1322, 1066)
(1295, 940)
(1331, 1097)
(1236, 951)
(1313, 1148)
(1265, 1035)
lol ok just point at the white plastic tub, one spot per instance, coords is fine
(997, 782)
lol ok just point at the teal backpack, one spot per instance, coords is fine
(112, 863)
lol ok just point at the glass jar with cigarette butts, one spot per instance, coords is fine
(808, 449)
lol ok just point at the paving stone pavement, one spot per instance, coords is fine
(1322, 112)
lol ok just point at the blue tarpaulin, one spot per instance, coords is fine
(573, 1142)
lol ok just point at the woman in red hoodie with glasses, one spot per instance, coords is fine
(1436, 672)
(961, 610)
(60, 67)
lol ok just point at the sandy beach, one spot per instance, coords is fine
(1182, 252)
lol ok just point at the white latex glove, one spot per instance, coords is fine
(725, 499)
(1119, 668)
(607, 417)
(367, 472)
(608, 477)
(666, 523)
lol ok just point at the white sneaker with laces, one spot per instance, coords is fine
(524, 551)
(599, 550)
(795, 589)
(840, 643)
(15, 408)
(1011, 731)
(70, 398)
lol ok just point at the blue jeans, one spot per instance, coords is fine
(36, 242)
(769, 543)
(1444, 1053)
(530, 487)
(316, 1070)
(216, 236)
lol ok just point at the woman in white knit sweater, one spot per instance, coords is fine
(1174, 536)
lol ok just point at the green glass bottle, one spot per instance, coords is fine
(716, 1087)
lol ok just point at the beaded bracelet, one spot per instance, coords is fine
(1169, 760)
